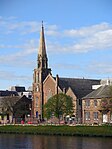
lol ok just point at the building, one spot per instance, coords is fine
(5, 101)
(97, 107)
(45, 85)
(13, 107)
(22, 91)
(22, 110)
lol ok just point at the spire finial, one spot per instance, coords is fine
(42, 23)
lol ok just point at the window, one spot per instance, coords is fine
(95, 103)
(87, 115)
(95, 115)
(87, 103)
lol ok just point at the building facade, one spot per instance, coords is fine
(97, 106)
(45, 85)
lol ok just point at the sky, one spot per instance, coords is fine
(78, 38)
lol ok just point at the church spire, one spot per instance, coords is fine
(42, 46)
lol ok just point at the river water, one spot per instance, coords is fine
(12, 141)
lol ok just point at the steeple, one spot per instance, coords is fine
(42, 61)
(42, 46)
(40, 73)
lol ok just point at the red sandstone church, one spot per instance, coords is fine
(45, 85)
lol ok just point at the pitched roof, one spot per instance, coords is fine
(101, 92)
(80, 87)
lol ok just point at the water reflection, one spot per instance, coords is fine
(52, 142)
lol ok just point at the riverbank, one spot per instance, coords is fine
(64, 130)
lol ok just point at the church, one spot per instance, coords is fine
(45, 85)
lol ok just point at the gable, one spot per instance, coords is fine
(71, 93)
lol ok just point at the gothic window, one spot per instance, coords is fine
(87, 115)
(95, 115)
(95, 103)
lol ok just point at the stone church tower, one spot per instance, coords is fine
(40, 73)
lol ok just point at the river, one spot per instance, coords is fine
(12, 141)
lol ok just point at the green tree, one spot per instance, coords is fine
(58, 105)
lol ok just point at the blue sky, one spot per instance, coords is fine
(78, 39)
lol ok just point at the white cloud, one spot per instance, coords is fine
(9, 75)
(21, 56)
(80, 40)
(87, 31)
(100, 68)
(66, 65)
(85, 39)
(93, 40)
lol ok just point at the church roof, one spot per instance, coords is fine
(80, 87)
(101, 92)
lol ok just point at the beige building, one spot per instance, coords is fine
(96, 106)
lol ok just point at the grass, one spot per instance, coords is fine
(99, 131)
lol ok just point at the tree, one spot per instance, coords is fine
(8, 104)
(58, 105)
(106, 103)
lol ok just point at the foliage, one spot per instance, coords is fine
(58, 105)
(104, 103)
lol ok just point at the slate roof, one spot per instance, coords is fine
(80, 87)
(8, 93)
(101, 92)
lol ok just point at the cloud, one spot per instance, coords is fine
(84, 39)
(9, 75)
(21, 56)
(68, 66)
(19, 45)
(100, 68)
(87, 31)
(11, 25)
(95, 37)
